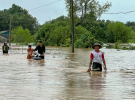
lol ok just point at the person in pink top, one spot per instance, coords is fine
(96, 59)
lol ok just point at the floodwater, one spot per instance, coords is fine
(62, 76)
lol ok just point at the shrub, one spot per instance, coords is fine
(86, 41)
(78, 44)
(124, 48)
(109, 46)
(116, 46)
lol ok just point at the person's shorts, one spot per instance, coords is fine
(96, 66)
(5, 51)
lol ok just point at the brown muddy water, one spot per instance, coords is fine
(61, 76)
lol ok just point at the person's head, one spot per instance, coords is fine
(5, 43)
(29, 46)
(40, 43)
(97, 46)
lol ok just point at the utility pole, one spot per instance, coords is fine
(72, 26)
(10, 32)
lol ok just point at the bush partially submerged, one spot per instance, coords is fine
(86, 41)
(109, 46)
(125, 47)
(116, 45)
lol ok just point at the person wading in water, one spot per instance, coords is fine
(5, 47)
(30, 52)
(41, 49)
(96, 58)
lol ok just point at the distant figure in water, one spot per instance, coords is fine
(41, 49)
(5, 47)
(96, 58)
(30, 52)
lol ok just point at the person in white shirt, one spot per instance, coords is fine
(97, 57)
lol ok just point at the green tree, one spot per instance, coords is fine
(86, 41)
(55, 32)
(20, 17)
(132, 35)
(100, 35)
(109, 37)
(120, 31)
(19, 35)
(131, 24)
(4, 20)
(84, 9)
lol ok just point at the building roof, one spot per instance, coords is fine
(3, 31)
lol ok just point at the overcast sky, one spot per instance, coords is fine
(52, 11)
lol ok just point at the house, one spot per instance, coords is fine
(4, 35)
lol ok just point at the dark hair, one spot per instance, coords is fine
(40, 42)
(29, 45)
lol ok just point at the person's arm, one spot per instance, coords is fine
(103, 59)
(28, 52)
(90, 65)
(35, 49)
(91, 59)
(43, 51)
(104, 63)
(8, 47)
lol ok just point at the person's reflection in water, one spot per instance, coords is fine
(30, 62)
(36, 62)
(5, 54)
(42, 62)
(97, 80)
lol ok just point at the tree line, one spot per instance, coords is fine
(88, 26)
(19, 17)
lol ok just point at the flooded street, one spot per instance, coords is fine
(61, 76)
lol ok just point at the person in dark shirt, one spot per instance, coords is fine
(5, 47)
(41, 49)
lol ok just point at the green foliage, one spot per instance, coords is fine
(131, 41)
(109, 37)
(117, 45)
(129, 47)
(19, 17)
(57, 32)
(67, 43)
(54, 33)
(59, 35)
(79, 30)
(132, 48)
(109, 46)
(78, 44)
(19, 35)
(86, 41)
(100, 35)
(86, 8)
(124, 48)
(131, 24)
(132, 35)
(120, 31)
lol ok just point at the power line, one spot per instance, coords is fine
(44, 5)
(121, 12)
